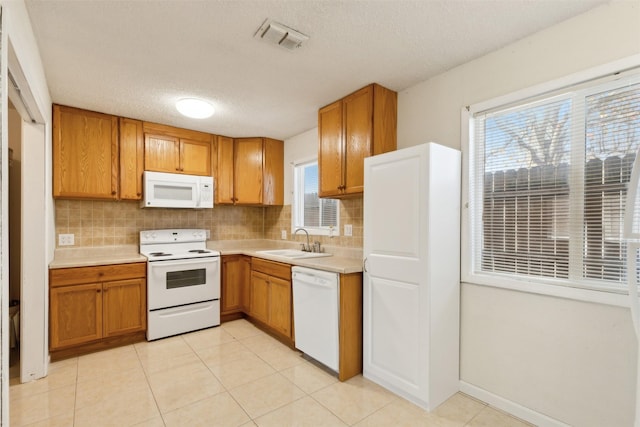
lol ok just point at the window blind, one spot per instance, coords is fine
(550, 182)
(311, 210)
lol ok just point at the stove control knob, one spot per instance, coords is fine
(153, 235)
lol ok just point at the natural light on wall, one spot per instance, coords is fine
(317, 216)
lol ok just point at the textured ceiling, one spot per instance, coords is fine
(136, 58)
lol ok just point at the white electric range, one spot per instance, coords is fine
(183, 281)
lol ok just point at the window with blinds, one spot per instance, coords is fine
(317, 216)
(549, 183)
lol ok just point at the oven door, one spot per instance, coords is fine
(178, 282)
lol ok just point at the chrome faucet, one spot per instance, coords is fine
(304, 248)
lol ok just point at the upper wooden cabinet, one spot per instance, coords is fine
(173, 150)
(249, 171)
(360, 125)
(131, 159)
(85, 154)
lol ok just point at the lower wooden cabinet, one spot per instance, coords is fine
(271, 296)
(90, 305)
(124, 307)
(259, 294)
(234, 287)
(76, 314)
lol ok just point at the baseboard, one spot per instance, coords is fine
(511, 407)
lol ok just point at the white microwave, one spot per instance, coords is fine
(173, 190)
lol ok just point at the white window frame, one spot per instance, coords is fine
(297, 209)
(605, 294)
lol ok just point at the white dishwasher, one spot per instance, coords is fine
(315, 314)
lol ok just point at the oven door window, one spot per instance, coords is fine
(186, 278)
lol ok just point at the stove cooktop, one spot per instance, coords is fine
(174, 244)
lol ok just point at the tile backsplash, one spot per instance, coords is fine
(109, 223)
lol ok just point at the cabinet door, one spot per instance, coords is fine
(245, 288)
(124, 306)
(161, 153)
(358, 125)
(224, 173)
(273, 176)
(76, 314)
(330, 152)
(85, 154)
(260, 296)
(247, 179)
(280, 305)
(131, 159)
(231, 286)
(195, 157)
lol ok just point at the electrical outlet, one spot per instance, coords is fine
(66, 239)
(208, 234)
(348, 230)
(283, 234)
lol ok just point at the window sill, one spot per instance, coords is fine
(617, 297)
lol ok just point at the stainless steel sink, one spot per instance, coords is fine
(293, 253)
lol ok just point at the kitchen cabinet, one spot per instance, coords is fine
(97, 307)
(235, 280)
(271, 297)
(85, 154)
(249, 171)
(173, 150)
(360, 125)
(131, 158)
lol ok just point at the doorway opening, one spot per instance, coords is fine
(15, 240)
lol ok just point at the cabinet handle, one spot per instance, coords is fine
(113, 193)
(98, 290)
(138, 194)
(178, 169)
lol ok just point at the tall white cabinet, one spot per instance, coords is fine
(411, 295)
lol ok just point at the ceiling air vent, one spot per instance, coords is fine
(281, 35)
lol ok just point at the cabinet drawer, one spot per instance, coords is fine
(102, 273)
(271, 268)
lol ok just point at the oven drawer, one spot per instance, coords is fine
(185, 318)
(101, 273)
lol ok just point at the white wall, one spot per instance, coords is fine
(300, 147)
(569, 360)
(430, 111)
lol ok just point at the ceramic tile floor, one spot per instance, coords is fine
(232, 375)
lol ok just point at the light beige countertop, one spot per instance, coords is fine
(89, 256)
(343, 260)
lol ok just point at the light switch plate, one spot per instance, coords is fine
(66, 239)
(348, 230)
(283, 234)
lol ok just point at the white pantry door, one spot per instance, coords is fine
(411, 279)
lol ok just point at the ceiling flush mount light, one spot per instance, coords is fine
(281, 35)
(195, 108)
